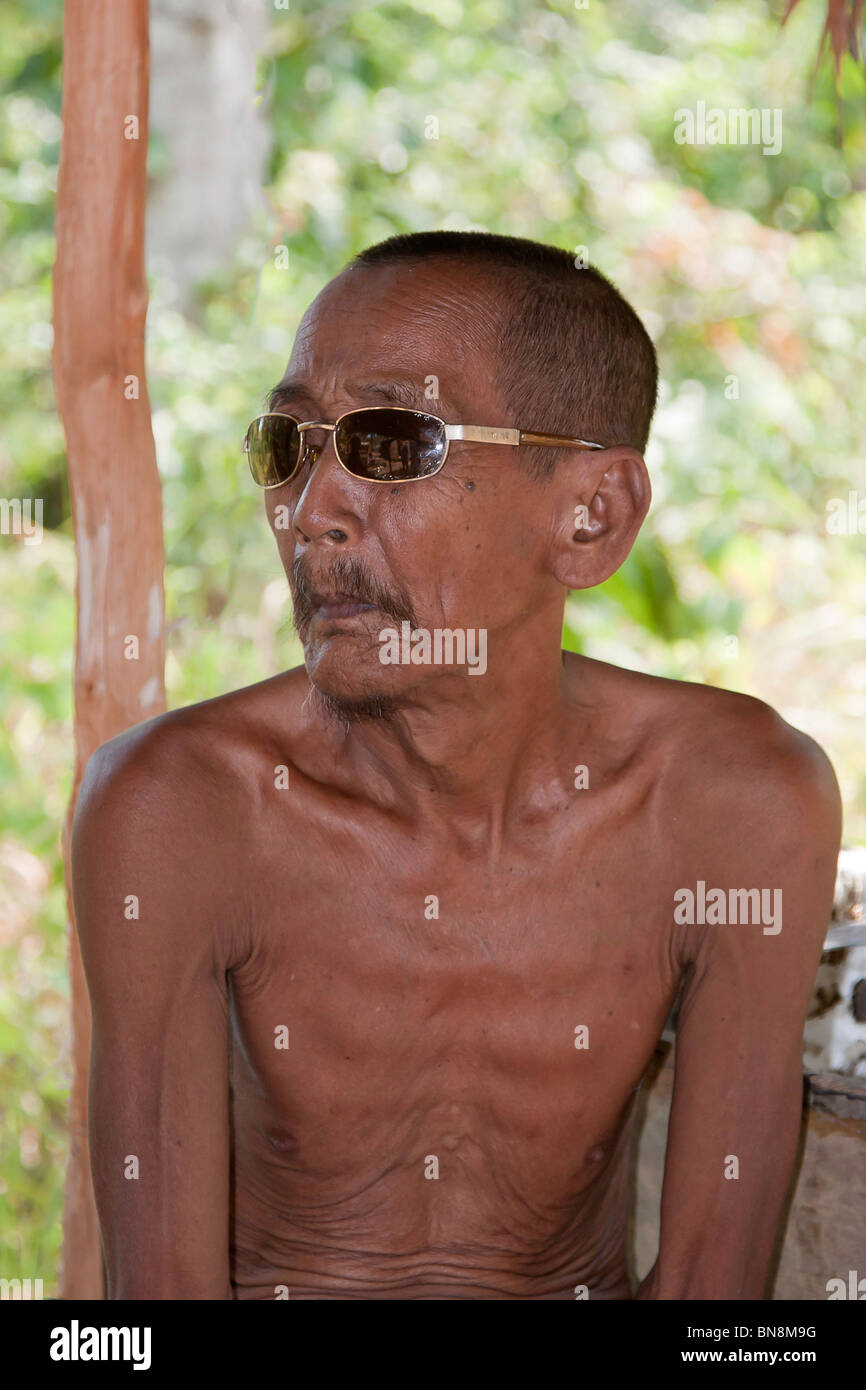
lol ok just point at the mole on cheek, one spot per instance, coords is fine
(470, 486)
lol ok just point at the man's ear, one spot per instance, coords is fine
(601, 505)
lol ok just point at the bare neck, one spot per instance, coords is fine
(472, 750)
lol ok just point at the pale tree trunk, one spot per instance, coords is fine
(213, 137)
(100, 303)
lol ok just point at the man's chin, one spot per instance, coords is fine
(353, 690)
(360, 710)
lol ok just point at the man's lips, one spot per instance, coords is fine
(338, 606)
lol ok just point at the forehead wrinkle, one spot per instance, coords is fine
(459, 316)
(457, 322)
(447, 328)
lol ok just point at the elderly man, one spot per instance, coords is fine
(379, 950)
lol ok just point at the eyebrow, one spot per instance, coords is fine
(394, 390)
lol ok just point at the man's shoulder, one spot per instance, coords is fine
(737, 748)
(190, 758)
(721, 749)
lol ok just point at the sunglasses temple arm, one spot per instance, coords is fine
(486, 434)
(562, 441)
(482, 434)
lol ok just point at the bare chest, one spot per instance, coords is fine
(388, 1016)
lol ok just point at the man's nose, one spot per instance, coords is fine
(329, 507)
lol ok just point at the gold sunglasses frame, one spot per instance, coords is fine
(475, 434)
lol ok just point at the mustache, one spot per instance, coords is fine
(348, 577)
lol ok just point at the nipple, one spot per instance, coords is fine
(283, 1140)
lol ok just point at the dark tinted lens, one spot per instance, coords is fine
(273, 445)
(387, 445)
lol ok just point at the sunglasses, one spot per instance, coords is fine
(384, 445)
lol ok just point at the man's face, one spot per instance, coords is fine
(462, 549)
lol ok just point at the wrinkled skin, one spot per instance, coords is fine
(436, 1124)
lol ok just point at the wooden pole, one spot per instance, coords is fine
(100, 304)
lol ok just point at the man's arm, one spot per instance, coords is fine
(147, 909)
(737, 1098)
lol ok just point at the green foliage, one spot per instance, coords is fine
(555, 123)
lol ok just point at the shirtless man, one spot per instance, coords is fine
(408, 934)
